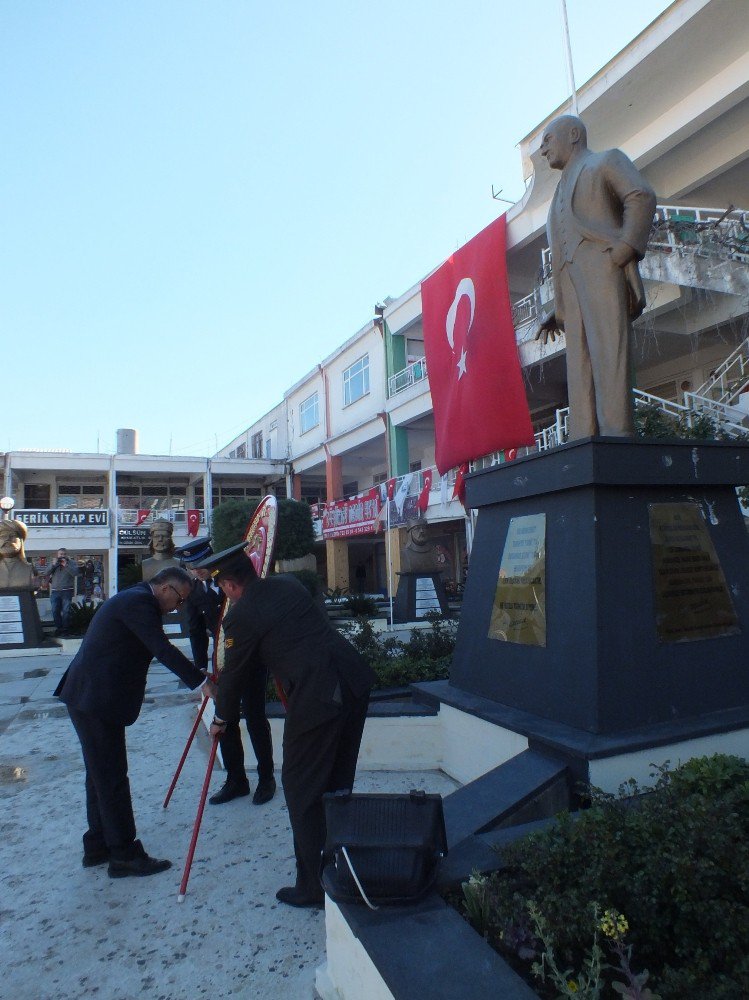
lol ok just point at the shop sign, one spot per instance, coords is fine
(63, 518)
(133, 536)
(358, 516)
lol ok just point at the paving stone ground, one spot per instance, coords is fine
(69, 932)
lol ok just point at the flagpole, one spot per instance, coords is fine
(568, 51)
(390, 564)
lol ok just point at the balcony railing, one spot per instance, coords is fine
(127, 515)
(415, 372)
(703, 232)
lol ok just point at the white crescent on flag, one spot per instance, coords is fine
(465, 287)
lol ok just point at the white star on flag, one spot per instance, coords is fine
(462, 364)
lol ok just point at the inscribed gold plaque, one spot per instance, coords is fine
(519, 610)
(692, 600)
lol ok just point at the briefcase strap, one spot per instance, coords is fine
(356, 879)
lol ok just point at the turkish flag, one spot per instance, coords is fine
(459, 489)
(423, 502)
(193, 522)
(472, 357)
(390, 488)
(142, 515)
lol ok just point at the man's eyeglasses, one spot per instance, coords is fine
(180, 599)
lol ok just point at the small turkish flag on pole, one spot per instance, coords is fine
(423, 502)
(472, 357)
(390, 488)
(142, 515)
(459, 489)
(193, 522)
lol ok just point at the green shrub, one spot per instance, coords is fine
(80, 617)
(229, 522)
(673, 860)
(295, 535)
(309, 578)
(359, 605)
(425, 657)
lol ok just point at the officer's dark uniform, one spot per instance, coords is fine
(203, 608)
(327, 685)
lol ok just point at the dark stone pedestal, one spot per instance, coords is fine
(417, 595)
(606, 667)
(20, 625)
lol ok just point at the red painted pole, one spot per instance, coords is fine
(190, 738)
(198, 819)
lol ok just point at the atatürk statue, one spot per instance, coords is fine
(419, 555)
(161, 547)
(15, 571)
(598, 226)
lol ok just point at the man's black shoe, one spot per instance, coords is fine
(293, 895)
(230, 790)
(264, 792)
(138, 864)
(93, 858)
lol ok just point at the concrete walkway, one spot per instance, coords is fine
(73, 933)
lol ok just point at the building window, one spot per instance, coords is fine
(240, 451)
(414, 466)
(356, 381)
(379, 477)
(85, 496)
(309, 414)
(256, 443)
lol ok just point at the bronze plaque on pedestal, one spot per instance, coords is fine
(692, 600)
(519, 610)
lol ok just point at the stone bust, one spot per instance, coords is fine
(15, 571)
(419, 555)
(161, 548)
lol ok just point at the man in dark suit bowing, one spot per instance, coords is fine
(274, 622)
(103, 689)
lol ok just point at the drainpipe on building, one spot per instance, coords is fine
(208, 496)
(114, 531)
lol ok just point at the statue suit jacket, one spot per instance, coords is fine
(107, 677)
(277, 622)
(604, 198)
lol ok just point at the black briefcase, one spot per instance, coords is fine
(382, 849)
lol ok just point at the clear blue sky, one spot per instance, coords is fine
(201, 200)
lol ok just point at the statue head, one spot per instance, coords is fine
(563, 138)
(161, 538)
(417, 530)
(12, 536)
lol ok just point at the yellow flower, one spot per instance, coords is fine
(614, 924)
(572, 986)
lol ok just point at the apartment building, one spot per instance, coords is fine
(676, 100)
(100, 507)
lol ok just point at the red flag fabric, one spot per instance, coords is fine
(474, 372)
(511, 454)
(142, 515)
(423, 502)
(459, 489)
(193, 522)
(390, 487)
